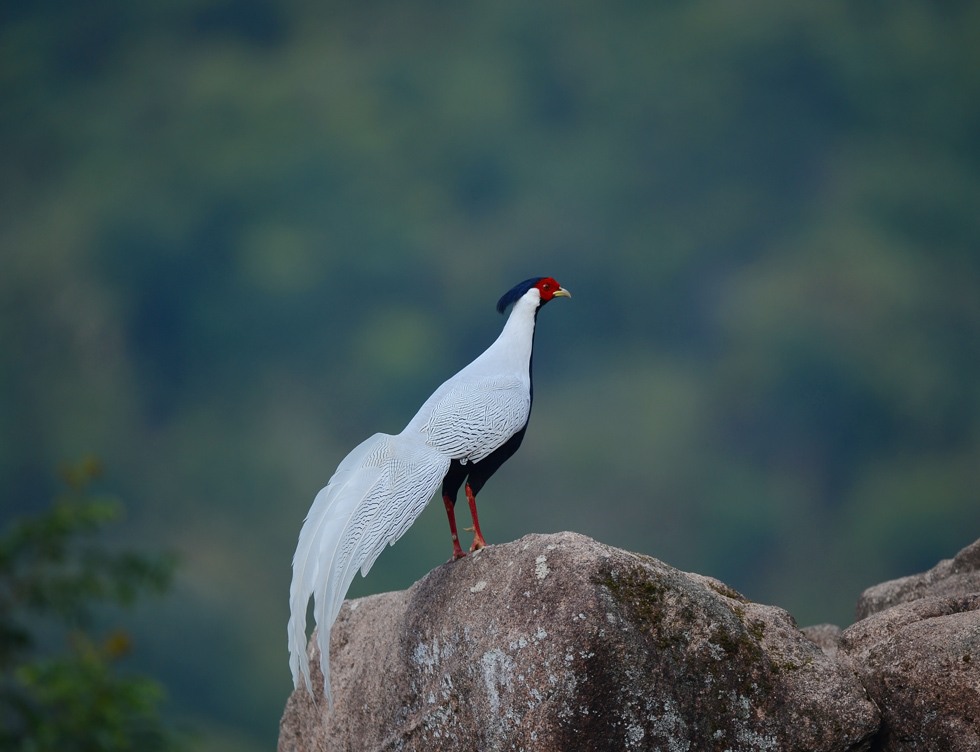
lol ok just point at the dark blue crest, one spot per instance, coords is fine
(515, 293)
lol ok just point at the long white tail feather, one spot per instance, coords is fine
(346, 484)
(375, 495)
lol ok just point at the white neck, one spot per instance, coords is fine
(509, 355)
(513, 347)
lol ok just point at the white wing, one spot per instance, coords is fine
(473, 418)
(378, 491)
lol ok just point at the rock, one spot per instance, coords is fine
(824, 636)
(556, 642)
(950, 577)
(916, 650)
(920, 663)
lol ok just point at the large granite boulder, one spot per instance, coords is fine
(560, 643)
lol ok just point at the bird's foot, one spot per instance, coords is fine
(457, 552)
(478, 541)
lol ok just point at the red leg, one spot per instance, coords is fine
(478, 541)
(457, 551)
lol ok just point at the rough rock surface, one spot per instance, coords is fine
(950, 577)
(560, 643)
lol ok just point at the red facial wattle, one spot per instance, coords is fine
(549, 288)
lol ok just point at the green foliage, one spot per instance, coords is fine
(55, 576)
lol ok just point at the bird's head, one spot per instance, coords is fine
(547, 289)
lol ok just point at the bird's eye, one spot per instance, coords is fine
(547, 286)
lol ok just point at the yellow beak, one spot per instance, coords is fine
(561, 292)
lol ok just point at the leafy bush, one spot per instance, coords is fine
(61, 687)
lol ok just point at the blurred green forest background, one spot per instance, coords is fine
(237, 237)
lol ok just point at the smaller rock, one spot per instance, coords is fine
(824, 636)
(920, 663)
(958, 576)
